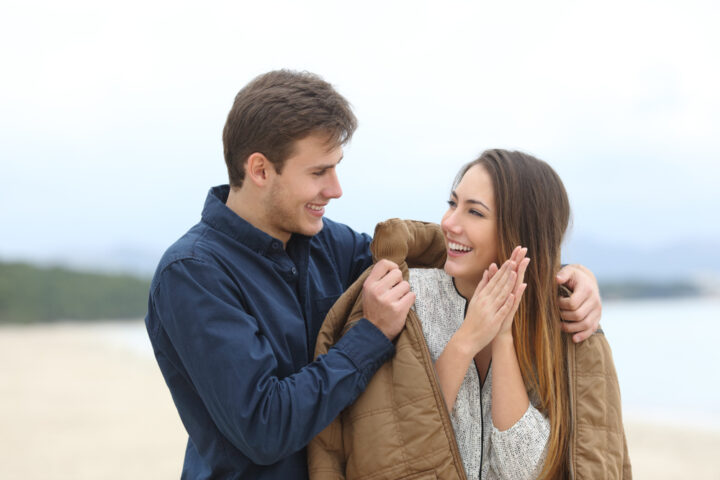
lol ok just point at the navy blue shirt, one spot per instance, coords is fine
(233, 318)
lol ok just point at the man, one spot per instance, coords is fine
(236, 303)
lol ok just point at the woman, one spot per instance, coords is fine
(501, 200)
(504, 369)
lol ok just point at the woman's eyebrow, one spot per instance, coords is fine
(470, 200)
(477, 202)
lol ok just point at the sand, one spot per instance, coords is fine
(78, 401)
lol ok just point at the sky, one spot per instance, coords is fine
(111, 113)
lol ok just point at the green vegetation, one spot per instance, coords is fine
(644, 289)
(31, 294)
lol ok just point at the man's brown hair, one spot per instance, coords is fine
(275, 110)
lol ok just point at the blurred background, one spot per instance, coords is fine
(110, 136)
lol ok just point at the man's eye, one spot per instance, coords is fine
(320, 173)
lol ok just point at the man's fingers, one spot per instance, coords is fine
(580, 313)
(380, 269)
(576, 326)
(406, 301)
(399, 290)
(391, 278)
(566, 277)
(582, 330)
(586, 326)
(576, 299)
(582, 336)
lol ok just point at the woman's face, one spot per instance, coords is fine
(470, 227)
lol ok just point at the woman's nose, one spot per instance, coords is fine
(449, 221)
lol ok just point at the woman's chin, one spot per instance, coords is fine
(455, 271)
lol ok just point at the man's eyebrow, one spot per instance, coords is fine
(470, 200)
(325, 166)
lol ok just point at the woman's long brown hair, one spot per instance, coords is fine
(532, 210)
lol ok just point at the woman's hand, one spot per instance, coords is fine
(495, 301)
(492, 302)
(520, 286)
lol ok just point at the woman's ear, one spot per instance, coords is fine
(258, 169)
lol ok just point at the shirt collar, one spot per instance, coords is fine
(216, 214)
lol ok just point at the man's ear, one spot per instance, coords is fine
(258, 169)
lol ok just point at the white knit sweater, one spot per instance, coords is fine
(487, 453)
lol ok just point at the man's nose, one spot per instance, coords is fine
(332, 189)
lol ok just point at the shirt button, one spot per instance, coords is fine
(293, 271)
(276, 245)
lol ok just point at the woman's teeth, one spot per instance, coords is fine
(458, 247)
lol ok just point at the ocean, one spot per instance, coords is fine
(667, 357)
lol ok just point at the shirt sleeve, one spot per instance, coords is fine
(231, 366)
(350, 248)
(519, 452)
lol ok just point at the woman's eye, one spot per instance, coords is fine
(451, 203)
(475, 212)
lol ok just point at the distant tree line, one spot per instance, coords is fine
(31, 294)
(643, 289)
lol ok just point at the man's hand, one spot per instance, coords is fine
(387, 298)
(581, 310)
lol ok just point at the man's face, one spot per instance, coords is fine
(298, 196)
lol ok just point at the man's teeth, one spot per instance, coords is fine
(314, 207)
(457, 246)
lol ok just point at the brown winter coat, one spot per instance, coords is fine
(399, 428)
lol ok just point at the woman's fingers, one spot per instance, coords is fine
(522, 268)
(501, 277)
(504, 312)
(492, 280)
(483, 281)
(518, 254)
(492, 270)
(504, 289)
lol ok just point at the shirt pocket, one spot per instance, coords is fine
(321, 307)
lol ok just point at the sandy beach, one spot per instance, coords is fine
(85, 401)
